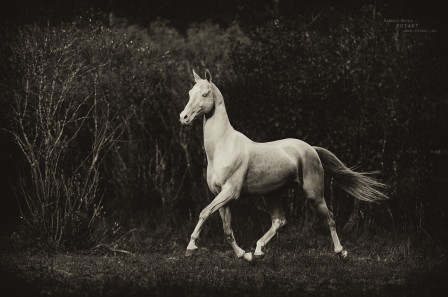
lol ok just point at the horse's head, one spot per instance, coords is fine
(201, 99)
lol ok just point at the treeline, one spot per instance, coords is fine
(91, 109)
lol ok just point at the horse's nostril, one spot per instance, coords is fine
(185, 117)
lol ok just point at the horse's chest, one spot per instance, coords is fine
(215, 178)
(218, 173)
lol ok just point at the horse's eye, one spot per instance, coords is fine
(205, 94)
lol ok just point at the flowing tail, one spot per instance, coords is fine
(357, 184)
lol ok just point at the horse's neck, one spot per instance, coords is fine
(216, 125)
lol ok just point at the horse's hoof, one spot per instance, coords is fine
(343, 255)
(248, 256)
(258, 257)
(189, 253)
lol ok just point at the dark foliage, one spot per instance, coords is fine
(337, 77)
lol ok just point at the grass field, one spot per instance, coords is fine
(378, 266)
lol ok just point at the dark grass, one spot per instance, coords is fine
(378, 266)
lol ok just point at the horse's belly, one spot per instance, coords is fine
(269, 174)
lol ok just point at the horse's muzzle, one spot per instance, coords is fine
(185, 119)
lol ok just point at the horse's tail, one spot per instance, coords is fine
(358, 184)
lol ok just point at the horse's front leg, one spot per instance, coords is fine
(227, 194)
(226, 217)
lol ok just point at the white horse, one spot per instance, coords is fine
(238, 165)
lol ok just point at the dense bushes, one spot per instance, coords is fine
(95, 109)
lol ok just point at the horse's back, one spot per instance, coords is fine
(296, 149)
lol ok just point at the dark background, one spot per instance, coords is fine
(181, 13)
(331, 73)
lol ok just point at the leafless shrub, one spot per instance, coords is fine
(64, 127)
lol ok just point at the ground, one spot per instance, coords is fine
(378, 266)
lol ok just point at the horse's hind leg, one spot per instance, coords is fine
(278, 220)
(226, 217)
(313, 187)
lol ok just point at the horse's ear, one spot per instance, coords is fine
(196, 77)
(208, 75)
